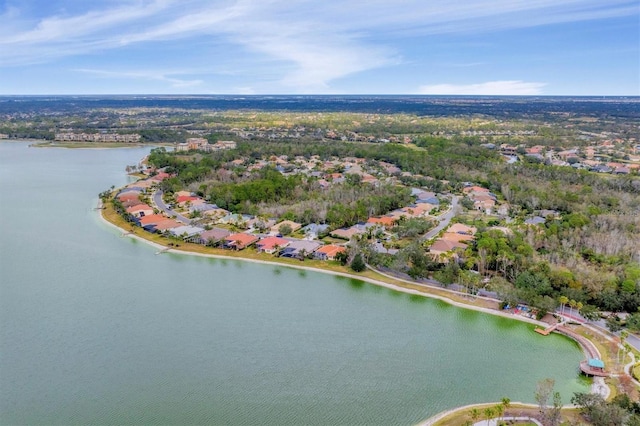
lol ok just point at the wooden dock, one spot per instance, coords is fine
(548, 330)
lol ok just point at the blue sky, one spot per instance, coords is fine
(484, 47)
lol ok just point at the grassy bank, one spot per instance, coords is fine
(464, 415)
(175, 245)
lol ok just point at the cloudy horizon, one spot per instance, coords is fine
(478, 47)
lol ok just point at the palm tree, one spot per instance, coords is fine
(499, 411)
(506, 403)
(623, 346)
(475, 414)
(579, 306)
(572, 304)
(563, 301)
(489, 413)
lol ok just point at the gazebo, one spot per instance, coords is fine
(593, 367)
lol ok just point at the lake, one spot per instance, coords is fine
(97, 329)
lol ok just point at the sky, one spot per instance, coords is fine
(431, 47)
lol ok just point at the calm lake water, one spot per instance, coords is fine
(97, 329)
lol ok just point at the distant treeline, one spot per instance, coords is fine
(503, 107)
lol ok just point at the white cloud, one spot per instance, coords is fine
(164, 76)
(303, 46)
(504, 88)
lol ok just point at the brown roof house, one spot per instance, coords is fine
(239, 241)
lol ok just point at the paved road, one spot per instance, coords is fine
(444, 219)
(157, 199)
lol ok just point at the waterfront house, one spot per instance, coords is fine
(213, 236)
(190, 234)
(441, 248)
(299, 248)
(328, 252)
(151, 219)
(239, 241)
(165, 225)
(140, 210)
(271, 244)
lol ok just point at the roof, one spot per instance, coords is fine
(595, 363)
(186, 229)
(243, 238)
(152, 218)
(462, 229)
(307, 245)
(167, 224)
(445, 245)
(139, 208)
(383, 220)
(474, 189)
(214, 234)
(271, 242)
(183, 198)
(536, 220)
(346, 233)
(294, 225)
(331, 249)
(454, 236)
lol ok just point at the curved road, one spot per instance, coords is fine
(157, 199)
(444, 219)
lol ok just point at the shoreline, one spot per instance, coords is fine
(391, 286)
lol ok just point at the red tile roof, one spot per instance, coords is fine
(152, 218)
(331, 250)
(269, 243)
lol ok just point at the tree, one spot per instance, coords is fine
(590, 312)
(357, 264)
(342, 257)
(598, 411)
(475, 414)
(563, 301)
(489, 413)
(544, 390)
(572, 304)
(285, 229)
(613, 323)
(499, 409)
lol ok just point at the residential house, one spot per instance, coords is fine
(239, 241)
(314, 229)
(328, 252)
(140, 210)
(386, 221)
(271, 244)
(213, 236)
(187, 233)
(151, 219)
(165, 225)
(299, 248)
(535, 220)
(455, 237)
(462, 229)
(441, 249)
(275, 229)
